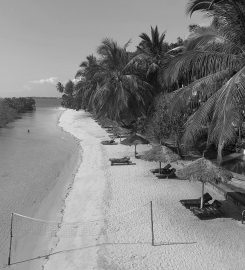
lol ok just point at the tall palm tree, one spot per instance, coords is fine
(151, 56)
(212, 68)
(118, 92)
(87, 83)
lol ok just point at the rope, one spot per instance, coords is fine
(81, 222)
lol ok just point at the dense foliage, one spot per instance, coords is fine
(189, 90)
(10, 108)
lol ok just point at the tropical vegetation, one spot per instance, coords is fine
(10, 108)
(192, 90)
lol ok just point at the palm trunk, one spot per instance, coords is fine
(135, 150)
(201, 206)
(220, 149)
(160, 167)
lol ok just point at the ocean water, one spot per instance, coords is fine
(31, 164)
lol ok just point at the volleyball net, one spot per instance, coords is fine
(32, 238)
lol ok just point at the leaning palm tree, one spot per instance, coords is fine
(212, 71)
(118, 92)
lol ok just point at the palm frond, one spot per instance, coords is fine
(222, 113)
(200, 5)
(200, 90)
(197, 64)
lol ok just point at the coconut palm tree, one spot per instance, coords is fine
(87, 83)
(212, 69)
(151, 55)
(118, 92)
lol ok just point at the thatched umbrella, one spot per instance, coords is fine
(205, 171)
(119, 131)
(134, 139)
(161, 154)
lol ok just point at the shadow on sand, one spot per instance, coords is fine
(98, 245)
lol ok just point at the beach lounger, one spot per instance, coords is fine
(121, 161)
(170, 174)
(209, 211)
(196, 202)
(111, 142)
(163, 170)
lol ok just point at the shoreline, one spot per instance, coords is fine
(50, 209)
(89, 185)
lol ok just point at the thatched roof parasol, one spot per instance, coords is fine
(161, 154)
(205, 171)
(120, 132)
(134, 139)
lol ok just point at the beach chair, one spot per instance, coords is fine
(166, 175)
(111, 142)
(196, 202)
(121, 161)
(210, 211)
(163, 170)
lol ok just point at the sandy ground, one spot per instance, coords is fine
(117, 199)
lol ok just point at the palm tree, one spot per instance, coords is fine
(151, 56)
(86, 86)
(118, 92)
(60, 87)
(212, 69)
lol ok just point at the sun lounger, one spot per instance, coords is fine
(104, 126)
(196, 202)
(121, 161)
(170, 174)
(209, 211)
(163, 170)
(111, 142)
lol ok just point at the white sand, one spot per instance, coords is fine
(124, 242)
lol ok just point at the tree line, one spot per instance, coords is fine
(10, 108)
(191, 91)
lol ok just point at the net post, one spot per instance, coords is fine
(152, 226)
(11, 238)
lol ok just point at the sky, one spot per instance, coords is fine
(44, 41)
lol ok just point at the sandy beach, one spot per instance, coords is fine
(106, 221)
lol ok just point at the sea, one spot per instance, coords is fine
(32, 163)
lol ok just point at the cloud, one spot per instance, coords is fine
(51, 80)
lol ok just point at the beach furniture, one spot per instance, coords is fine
(163, 170)
(121, 161)
(107, 127)
(209, 211)
(134, 139)
(164, 175)
(111, 142)
(196, 202)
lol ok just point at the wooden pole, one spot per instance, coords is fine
(202, 194)
(11, 238)
(152, 226)
(160, 167)
(243, 215)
